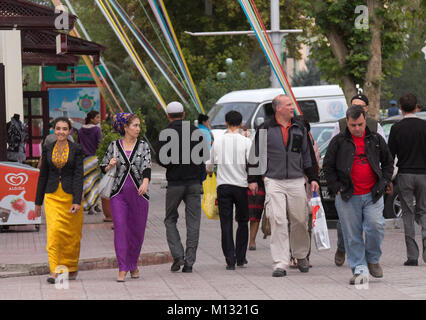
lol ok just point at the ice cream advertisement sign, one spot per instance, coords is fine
(18, 186)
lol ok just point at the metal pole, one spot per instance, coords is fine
(275, 38)
(249, 33)
(3, 131)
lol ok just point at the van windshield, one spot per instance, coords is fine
(218, 112)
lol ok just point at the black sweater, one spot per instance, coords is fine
(407, 140)
(183, 171)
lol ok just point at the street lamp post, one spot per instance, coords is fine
(275, 33)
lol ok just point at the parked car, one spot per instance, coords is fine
(322, 132)
(392, 208)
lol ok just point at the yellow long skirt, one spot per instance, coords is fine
(63, 230)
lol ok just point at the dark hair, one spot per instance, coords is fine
(233, 118)
(408, 102)
(176, 115)
(62, 119)
(91, 115)
(355, 112)
(202, 118)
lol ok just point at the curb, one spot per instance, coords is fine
(24, 270)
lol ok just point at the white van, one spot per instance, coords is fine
(318, 104)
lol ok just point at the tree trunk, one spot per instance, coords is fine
(373, 77)
(340, 52)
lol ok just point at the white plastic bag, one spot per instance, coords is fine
(319, 224)
(107, 181)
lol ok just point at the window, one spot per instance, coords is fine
(309, 110)
(217, 114)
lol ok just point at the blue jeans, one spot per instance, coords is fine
(359, 215)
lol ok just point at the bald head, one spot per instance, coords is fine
(283, 106)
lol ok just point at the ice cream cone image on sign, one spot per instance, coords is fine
(18, 186)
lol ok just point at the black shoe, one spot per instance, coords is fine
(230, 267)
(303, 265)
(178, 262)
(242, 263)
(411, 262)
(51, 280)
(279, 273)
(187, 269)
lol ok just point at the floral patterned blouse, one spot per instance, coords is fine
(60, 156)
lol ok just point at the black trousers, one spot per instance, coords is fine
(227, 196)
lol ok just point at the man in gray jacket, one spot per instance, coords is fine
(288, 161)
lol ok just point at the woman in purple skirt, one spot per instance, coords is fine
(129, 195)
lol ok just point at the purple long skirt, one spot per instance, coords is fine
(129, 214)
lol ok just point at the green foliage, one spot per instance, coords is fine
(309, 77)
(30, 78)
(108, 136)
(339, 16)
(205, 56)
(413, 64)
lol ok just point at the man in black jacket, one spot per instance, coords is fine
(358, 168)
(182, 147)
(407, 141)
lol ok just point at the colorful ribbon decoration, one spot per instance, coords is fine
(149, 49)
(112, 19)
(163, 20)
(259, 29)
(80, 24)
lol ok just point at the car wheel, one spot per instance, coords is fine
(392, 205)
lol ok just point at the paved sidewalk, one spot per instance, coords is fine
(209, 280)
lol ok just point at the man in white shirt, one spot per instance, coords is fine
(230, 153)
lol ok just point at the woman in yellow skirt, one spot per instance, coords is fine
(60, 185)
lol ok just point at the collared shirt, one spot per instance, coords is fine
(284, 130)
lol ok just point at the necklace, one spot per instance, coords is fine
(128, 145)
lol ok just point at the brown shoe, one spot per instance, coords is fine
(121, 276)
(339, 258)
(375, 270)
(134, 274)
